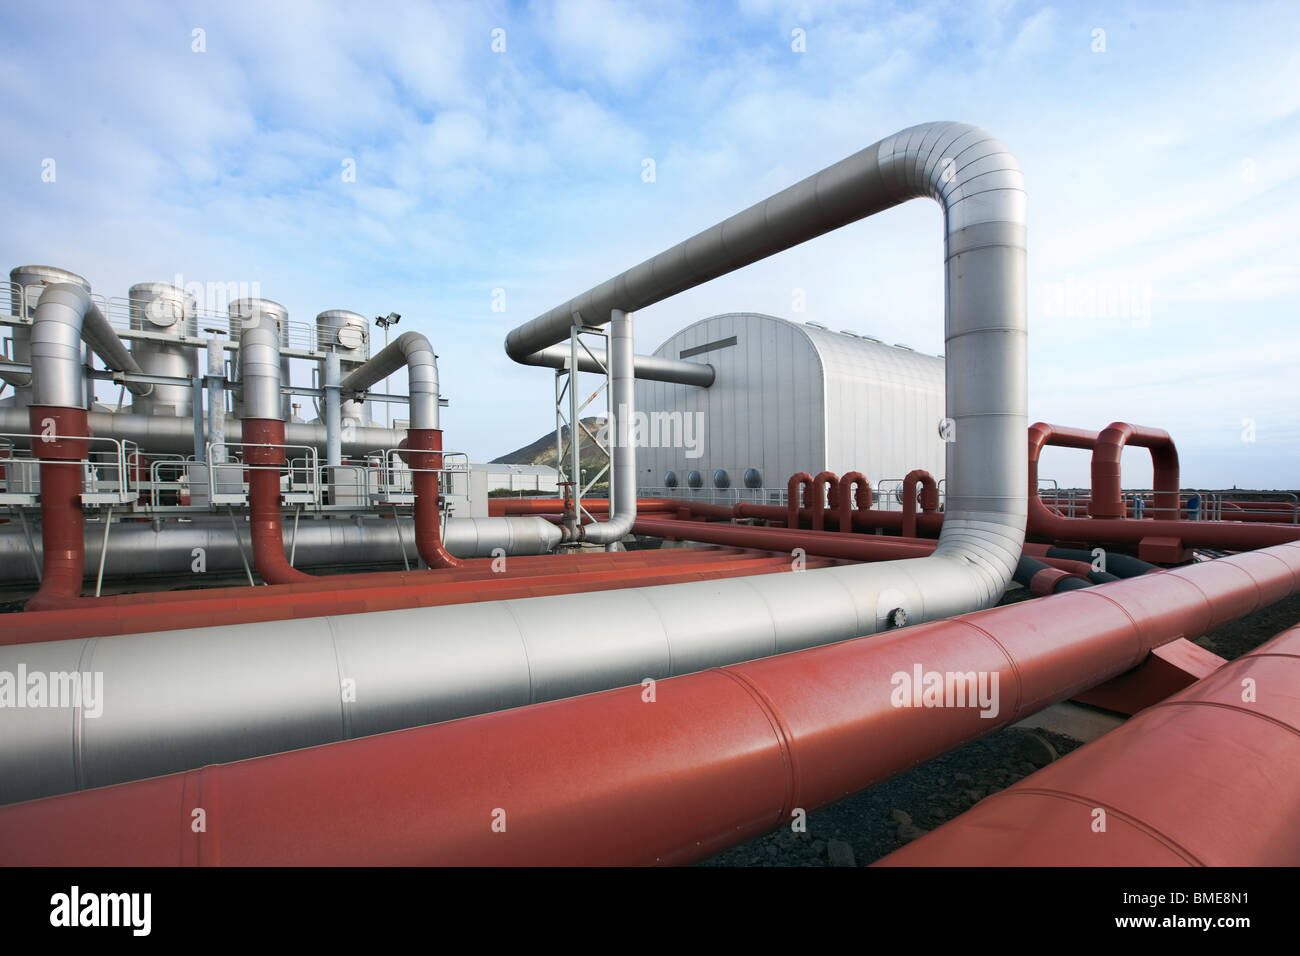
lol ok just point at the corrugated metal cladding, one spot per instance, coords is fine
(791, 397)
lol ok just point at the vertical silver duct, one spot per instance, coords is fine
(622, 404)
(331, 413)
(163, 309)
(258, 385)
(212, 683)
(240, 310)
(217, 395)
(28, 282)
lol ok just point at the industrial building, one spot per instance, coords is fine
(787, 397)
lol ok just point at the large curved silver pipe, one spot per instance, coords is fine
(414, 351)
(65, 315)
(181, 699)
(649, 368)
(622, 451)
(24, 283)
(166, 546)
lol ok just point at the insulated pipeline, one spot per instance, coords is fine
(718, 758)
(1203, 778)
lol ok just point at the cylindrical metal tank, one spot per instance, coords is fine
(164, 310)
(346, 334)
(27, 284)
(241, 309)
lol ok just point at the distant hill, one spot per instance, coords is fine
(542, 451)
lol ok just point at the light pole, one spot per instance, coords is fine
(386, 322)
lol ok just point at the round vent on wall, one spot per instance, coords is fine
(695, 479)
(163, 313)
(351, 337)
(753, 478)
(670, 479)
(721, 479)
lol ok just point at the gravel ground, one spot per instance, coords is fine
(863, 828)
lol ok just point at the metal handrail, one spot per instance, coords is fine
(226, 446)
(90, 466)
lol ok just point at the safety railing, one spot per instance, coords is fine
(716, 496)
(169, 475)
(308, 492)
(21, 482)
(1222, 505)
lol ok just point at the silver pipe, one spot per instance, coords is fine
(410, 349)
(622, 447)
(216, 395)
(649, 368)
(65, 315)
(196, 416)
(259, 365)
(265, 311)
(332, 416)
(165, 546)
(26, 283)
(181, 699)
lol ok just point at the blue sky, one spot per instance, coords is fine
(1163, 176)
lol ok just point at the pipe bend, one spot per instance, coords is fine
(1107, 493)
(65, 316)
(978, 183)
(412, 350)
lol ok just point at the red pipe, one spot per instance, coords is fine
(424, 451)
(929, 498)
(264, 499)
(474, 569)
(1107, 497)
(425, 454)
(855, 491)
(1200, 779)
(254, 605)
(795, 488)
(716, 757)
(825, 493)
(826, 543)
(1210, 534)
(864, 520)
(63, 546)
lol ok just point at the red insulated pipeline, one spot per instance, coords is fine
(929, 498)
(1107, 499)
(63, 546)
(425, 456)
(1207, 777)
(256, 604)
(713, 759)
(863, 519)
(799, 485)
(264, 499)
(855, 491)
(825, 494)
(1210, 534)
(825, 543)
